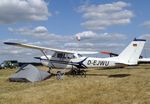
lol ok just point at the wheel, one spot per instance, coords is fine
(74, 73)
(59, 75)
(83, 73)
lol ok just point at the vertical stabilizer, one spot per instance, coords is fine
(132, 52)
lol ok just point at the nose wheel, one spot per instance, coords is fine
(59, 75)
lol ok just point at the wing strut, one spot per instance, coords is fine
(48, 60)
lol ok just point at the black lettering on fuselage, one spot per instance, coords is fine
(107, 63)
(89, 62)
(98, 63)
(101, 63)
(94, 62)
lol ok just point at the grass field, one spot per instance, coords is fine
(113, 86)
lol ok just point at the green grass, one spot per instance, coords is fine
(113, 86)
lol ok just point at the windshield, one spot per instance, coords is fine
(79, 55)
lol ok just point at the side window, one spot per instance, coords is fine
(71, 56)
(54, 55)
(59, 55)
(63, 55)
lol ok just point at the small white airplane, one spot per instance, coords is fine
(73, 59)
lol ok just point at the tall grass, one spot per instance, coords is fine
(113, 86)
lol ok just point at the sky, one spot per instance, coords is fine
(102, 25)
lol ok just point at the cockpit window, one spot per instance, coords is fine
(70, 56)
(64, 55)
(60, 55)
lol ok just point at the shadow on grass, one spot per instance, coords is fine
(110, 76)
(118, 75)
(97, 74)
(100, 75)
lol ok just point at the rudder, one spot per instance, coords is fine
(132, 52)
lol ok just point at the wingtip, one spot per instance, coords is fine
(135, 39)
(10, 43)
(7, 43)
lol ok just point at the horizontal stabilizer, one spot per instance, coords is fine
(109, 53)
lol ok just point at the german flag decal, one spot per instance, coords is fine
(134, 45)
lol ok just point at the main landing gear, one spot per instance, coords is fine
(74, 72)
(78, 72)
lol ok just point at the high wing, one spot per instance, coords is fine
(46, 48)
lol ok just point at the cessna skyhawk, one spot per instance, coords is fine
(73, 59)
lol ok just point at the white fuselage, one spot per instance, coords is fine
(80, 62)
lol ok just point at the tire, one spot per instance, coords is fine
(59, 75)
(74, 73)
(83, 73)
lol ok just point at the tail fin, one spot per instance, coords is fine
(132, 52)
